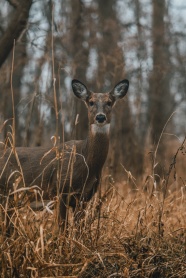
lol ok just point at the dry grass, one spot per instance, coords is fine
(137, 232)
(128, 234)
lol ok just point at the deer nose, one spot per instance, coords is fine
(100, 118)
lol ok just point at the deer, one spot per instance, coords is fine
(72, 171)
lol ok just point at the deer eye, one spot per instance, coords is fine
(91, 103)
(109, 103)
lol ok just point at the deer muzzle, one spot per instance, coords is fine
(101, 118)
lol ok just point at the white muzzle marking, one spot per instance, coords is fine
(103, 129)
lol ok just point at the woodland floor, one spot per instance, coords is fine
(132, 235)
(132, 231)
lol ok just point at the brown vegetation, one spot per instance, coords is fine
(125, 233)
(135, 226)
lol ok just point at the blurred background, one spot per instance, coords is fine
(99, 43)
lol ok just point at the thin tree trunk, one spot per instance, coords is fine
(111, 68)
(15, 28)
(80, 57)
(160, 100)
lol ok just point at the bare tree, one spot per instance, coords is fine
(15, 28)
(17, 21)
(79, 54)
(111, 68)
(160, 100)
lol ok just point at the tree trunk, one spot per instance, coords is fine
(15, 28)
(111, 69)
(79, 53)
(160, 100)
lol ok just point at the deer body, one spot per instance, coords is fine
(72, 170)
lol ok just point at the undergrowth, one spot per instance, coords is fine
(121, 237)
(139, 232)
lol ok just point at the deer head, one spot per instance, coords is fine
(100, 104)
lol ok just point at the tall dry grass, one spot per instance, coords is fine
(126, 232)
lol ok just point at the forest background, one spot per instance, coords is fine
(99, 43)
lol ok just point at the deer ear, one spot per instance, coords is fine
(80, 90)
(120, 89)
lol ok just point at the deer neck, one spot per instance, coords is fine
(96, 147)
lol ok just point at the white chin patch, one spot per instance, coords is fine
(96, 129)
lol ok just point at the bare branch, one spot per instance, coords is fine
(15, 28)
